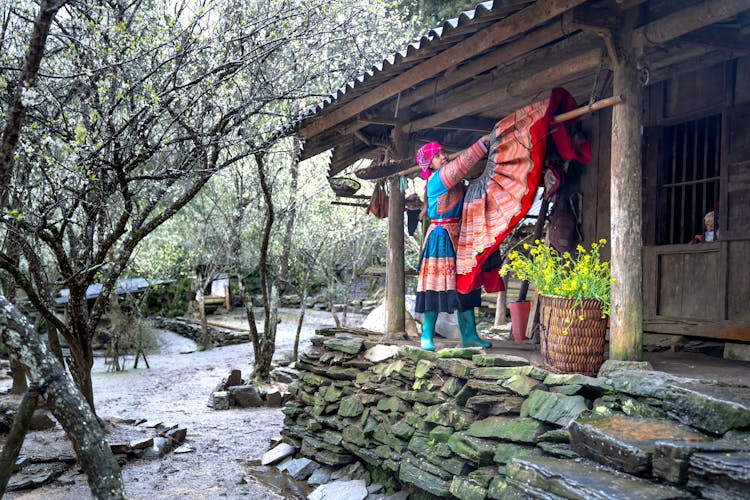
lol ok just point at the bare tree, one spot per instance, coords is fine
(45, 371)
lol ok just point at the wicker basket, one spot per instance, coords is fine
(570, 344)
(344, 186)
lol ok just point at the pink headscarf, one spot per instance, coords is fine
(424, 157)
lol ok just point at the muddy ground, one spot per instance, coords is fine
(175, 390)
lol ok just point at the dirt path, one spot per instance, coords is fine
(175, 390)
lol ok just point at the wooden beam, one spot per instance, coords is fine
(546, 78)
(530, 17)
(686, 20)
(501, 55)
(719, 38)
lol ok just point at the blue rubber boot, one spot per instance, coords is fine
(428, 330)
(467, 323)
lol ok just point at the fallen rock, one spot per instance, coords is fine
(245, 396)
(351, 490)
(301, 468)
(277, 454)
(161, 447)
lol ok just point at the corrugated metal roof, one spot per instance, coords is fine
(435, 40)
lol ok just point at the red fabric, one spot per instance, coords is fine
(560, 101)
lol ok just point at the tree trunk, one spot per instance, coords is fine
(53, 342)
(291, 218)
(65, 401)
(267, 343)
(15, 438)
(18, 372)
(82, 359)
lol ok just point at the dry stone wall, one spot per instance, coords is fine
(467, 424)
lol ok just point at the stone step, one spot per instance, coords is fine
(626, 443)
(703, 404)
(720, 475)
(547, 477)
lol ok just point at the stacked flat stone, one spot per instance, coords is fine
(467, 424)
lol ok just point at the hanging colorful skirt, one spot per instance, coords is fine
(436, 285)
(500, 198)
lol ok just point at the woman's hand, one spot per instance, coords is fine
(486, 140)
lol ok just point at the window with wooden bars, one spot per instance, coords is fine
(688, 180)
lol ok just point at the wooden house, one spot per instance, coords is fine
(675, 148)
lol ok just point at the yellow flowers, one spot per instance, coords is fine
(584, 276)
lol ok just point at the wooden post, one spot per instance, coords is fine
(394, 296)
(626, 322)
(501, 304)
(395, 302)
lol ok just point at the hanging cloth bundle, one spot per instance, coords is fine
(378, 202)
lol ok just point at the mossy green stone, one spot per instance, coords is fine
(426, 466)
(411, 474)
(415, 353)
(367, 455)
(402, 430)
(315, 380)
(594, 383)
(426, 385)
(424, 368)
(393, 404)
(498, 360)
(568, 390)
(330, 437)
(554, 408)
(467, 489)
(354, 434)
(441, 433)
(497, 372)
(420, 444)
(459, 352)
(332, 394)
(506, 451)
(452, 386)
(519, 430)
(479, 451)
(339, 373)
(521, 384)
(460, 368)
(350, 407)
(488, 386)
(484, 475)
(344, 344)
(500, 490)
(424, 397)
(384, 451)
(448, 414)
(464, 394)
(555, 436)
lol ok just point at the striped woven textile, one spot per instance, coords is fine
(498, 199)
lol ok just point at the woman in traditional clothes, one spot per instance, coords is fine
(436, 288)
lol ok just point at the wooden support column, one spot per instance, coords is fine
(395, 303)
(626, 322)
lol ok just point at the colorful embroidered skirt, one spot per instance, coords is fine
(436, 286)
(500, 198)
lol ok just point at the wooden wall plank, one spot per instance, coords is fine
(738, 281)
(671, 268)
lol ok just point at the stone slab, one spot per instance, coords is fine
(547, 477)
(624, 443)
